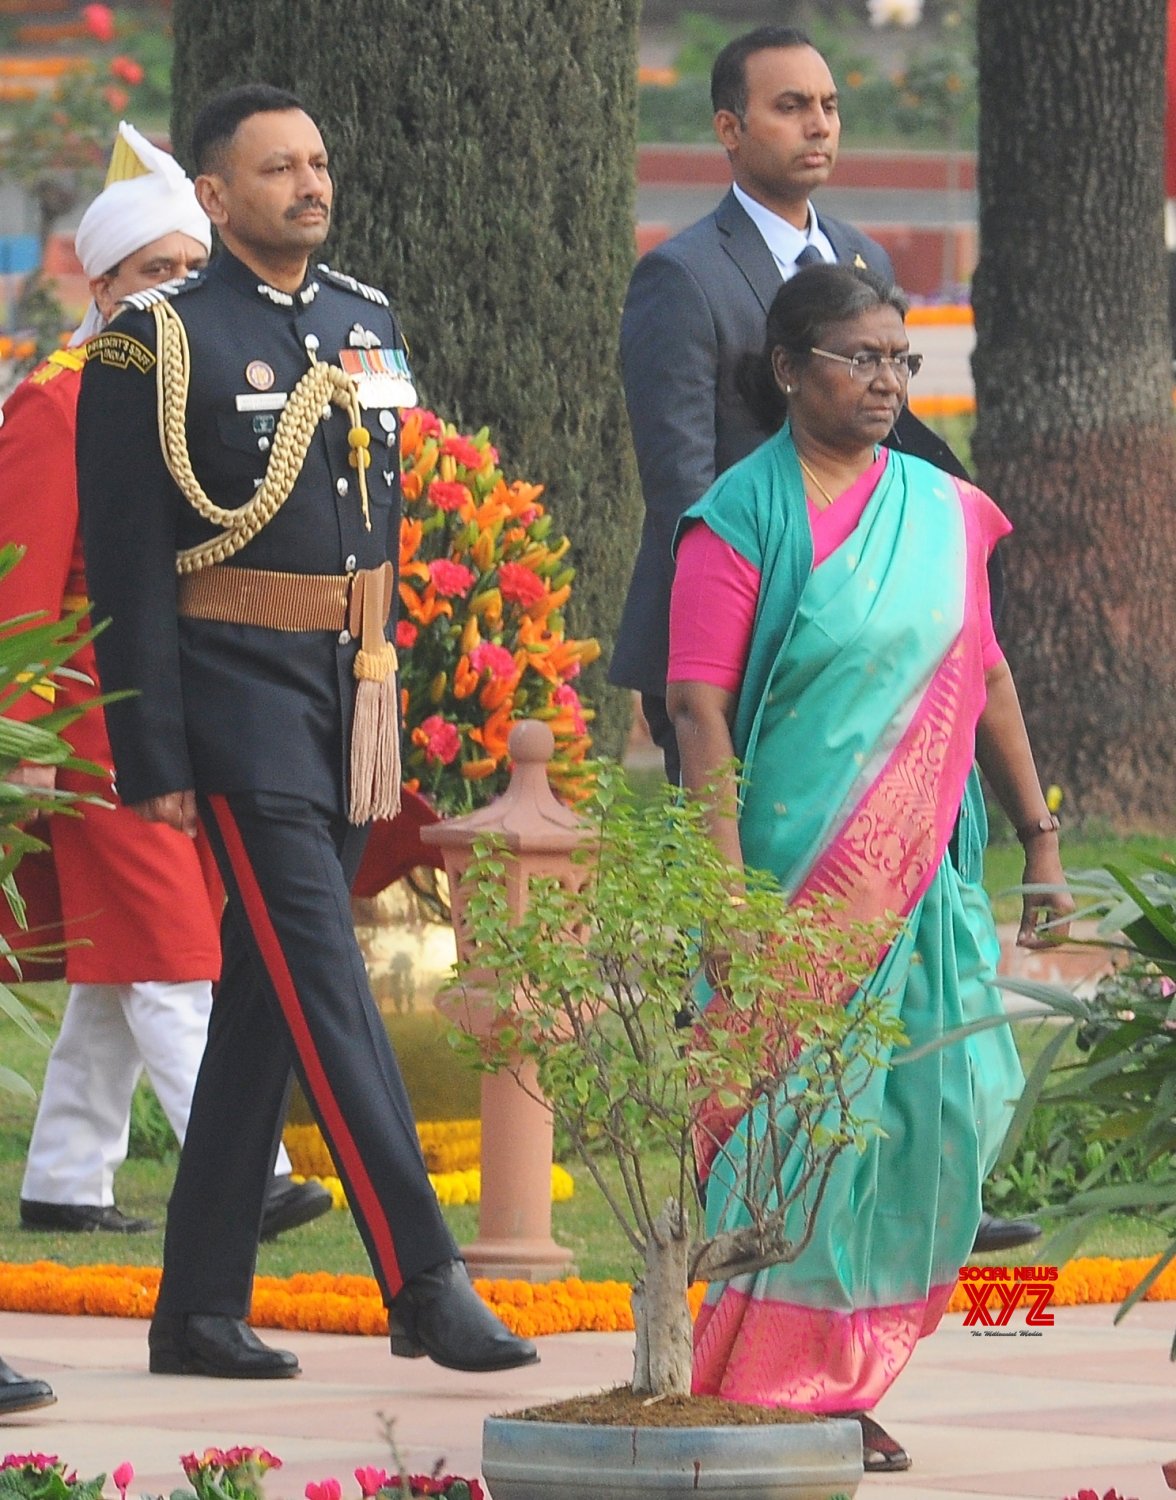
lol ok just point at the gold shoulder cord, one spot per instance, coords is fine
(292, 438)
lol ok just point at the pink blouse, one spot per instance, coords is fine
(712, 608)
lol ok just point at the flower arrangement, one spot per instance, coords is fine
(220, 1474)
(483, 585)
(452, 1151)
(321, 1302)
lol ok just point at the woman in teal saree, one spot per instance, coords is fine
(830, 628)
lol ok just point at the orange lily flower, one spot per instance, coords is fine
(476, 770)
(493, 735)
(465, 679)
(430, 607)
(411, 485)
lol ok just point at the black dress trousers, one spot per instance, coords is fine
(294, 991)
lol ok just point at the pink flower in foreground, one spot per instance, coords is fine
(122, 1477)
(371, 1480)
(406, 634)
(329, 1489)
(497, 660)
(450, 578)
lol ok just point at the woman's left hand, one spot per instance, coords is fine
(1043, 867)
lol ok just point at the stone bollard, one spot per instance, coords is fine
(538, 835)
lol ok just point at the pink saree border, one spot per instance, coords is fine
(772, 1353)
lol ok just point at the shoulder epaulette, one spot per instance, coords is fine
(162, 293)
(60, 359)
(349, 283)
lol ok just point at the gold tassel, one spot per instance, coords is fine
(375, 727)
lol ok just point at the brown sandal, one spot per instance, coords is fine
(880, 1453)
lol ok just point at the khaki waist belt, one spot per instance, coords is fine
(286, 601)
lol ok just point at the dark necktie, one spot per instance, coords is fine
(809, 256)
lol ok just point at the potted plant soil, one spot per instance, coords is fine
(598, 988)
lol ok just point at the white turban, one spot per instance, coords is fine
(147, 196)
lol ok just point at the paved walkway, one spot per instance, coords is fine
(1084, 1404)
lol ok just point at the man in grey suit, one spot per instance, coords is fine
(696, 304)
(699, 302)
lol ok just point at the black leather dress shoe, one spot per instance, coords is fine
(210, 1344)
(438, 1313)
(19, 1394)
(1003, 1234)
(289, 1204)
(79, 1218)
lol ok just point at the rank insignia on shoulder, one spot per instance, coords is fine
(166, 289)
(121, 351)
(60, 359)
(382, 377)
(349, 283)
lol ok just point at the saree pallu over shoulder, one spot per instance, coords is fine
(855, 726)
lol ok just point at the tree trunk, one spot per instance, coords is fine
(663, 1354)
(1073, 372)
(483, 153)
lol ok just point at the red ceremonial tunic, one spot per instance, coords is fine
(138, 900)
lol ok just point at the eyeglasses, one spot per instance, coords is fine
(865, 365)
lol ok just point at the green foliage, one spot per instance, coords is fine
(703, 38)
(598, 986)
(1125, 1078)
(32, 655)
(484, 176)
(35, 1476)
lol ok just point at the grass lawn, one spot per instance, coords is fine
(584, 1224)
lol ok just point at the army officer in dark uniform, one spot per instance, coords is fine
(239, 483)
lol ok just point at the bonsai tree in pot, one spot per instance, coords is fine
(603, 983)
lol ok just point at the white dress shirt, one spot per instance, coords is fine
(784, 240)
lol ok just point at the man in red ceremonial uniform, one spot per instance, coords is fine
(139, 903)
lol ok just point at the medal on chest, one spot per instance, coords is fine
(381, 376)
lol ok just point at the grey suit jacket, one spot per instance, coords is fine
(696, 304)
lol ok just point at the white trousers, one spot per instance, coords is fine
(109, 1034)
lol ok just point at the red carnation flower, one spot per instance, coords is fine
(497, 660)
(464, 450)
(519, 584)
(450, 579)
(406, 634)
(447, 494)
(439, 738)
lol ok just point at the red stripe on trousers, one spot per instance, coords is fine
(282, 980)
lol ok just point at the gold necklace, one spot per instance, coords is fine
(828, 498)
